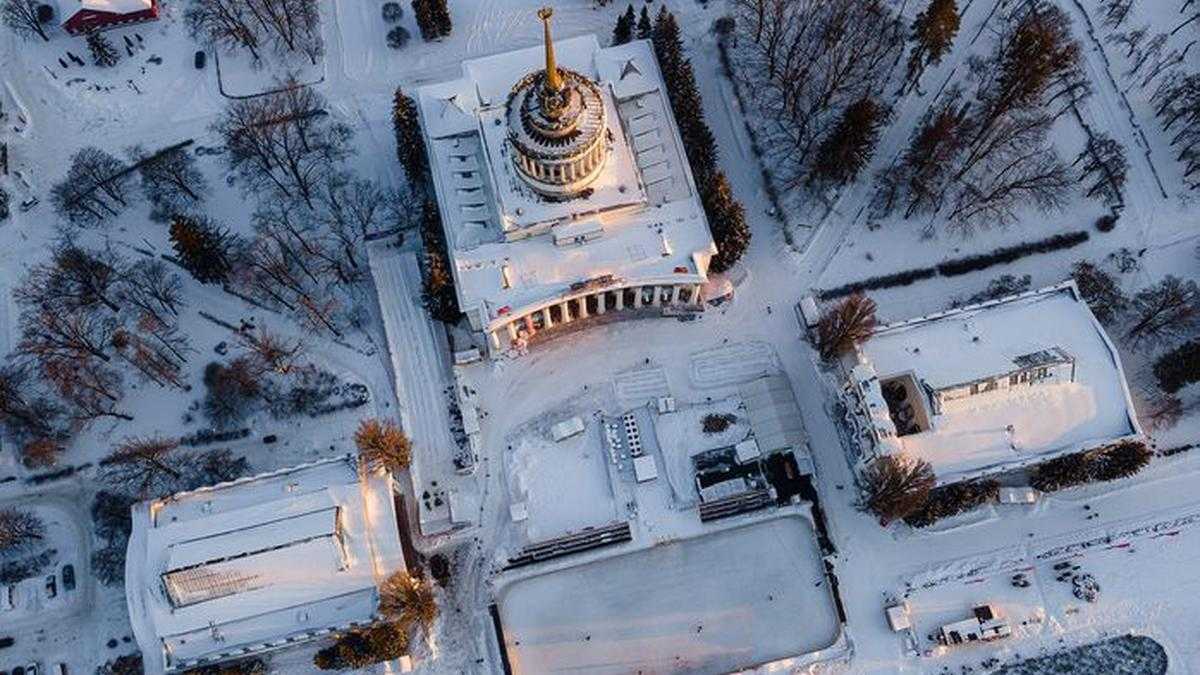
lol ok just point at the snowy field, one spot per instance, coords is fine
(698, 606)
(751, 591)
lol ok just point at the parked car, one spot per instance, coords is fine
(6, 642)
(51, 586)
(68, 577)
(60, 669)
(8, 597)
(200, 59)
(31, 669)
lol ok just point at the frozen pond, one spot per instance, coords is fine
(711, 604)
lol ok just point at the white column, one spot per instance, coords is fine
(565, 308)
(696, 299)
(512, 330)
(655, 299)
(529, 323)
(601, 302)
(675, 295)
(583, 313)
(494, 337)
(546, 321)
(637, 296)
(620, 299)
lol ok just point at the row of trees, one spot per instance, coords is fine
(97, 186)
(726, 216)
(898, 486)
(438, 291)
(631, 26)
(282, 26)
(406, 604)
(976, 160)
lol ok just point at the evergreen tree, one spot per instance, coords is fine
(441, 17)
(645, 27)
(623, 33)
(438, 291)
(727, 219)
(410, 144)
(103, 52)
(202, 249)
(1178, 367)
(933, 33)
(423, 12)
(848, 148)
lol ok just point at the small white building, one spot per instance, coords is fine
(983, 626)
(259, 564)
(991, 387)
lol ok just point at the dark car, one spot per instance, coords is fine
(200, 59)
(68, 577)
(6, 642)
(51, 586)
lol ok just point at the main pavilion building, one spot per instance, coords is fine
(564, 189)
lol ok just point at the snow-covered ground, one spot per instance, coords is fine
(1134, 536)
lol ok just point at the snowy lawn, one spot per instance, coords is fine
(565, 485)
(706, 605)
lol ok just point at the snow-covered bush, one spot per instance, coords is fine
(397, 38)
(392, 12)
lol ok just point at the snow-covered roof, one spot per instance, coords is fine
(69, 8)
(259, 563)
(644, 218)
(994, 430)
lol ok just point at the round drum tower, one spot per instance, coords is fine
(557, 126)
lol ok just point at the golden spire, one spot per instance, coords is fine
(553, 78)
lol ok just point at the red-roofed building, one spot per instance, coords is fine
(85, 16)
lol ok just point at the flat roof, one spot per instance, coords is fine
(644, 205)
(973, 434)
(260, 562)
(692, 605)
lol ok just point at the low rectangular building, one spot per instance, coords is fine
(992, 387)
(259, 564)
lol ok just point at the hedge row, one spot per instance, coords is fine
(953, 499)
(951, 268)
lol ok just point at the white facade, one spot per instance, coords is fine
(259, 564)
(626, 235)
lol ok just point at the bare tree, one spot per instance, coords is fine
(22, 17)
(284, 143)
(1103, 168)
(152, 289)
(26, 415)
(273, 352)
(1100, 291)
(90, 388)
(225, 23)
(852, 321)
(144, 467)
(895, 486)
(74, 278)
(1166, 311)
(18, 530)
(382, 445)
(171, 182)
(94, 188)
